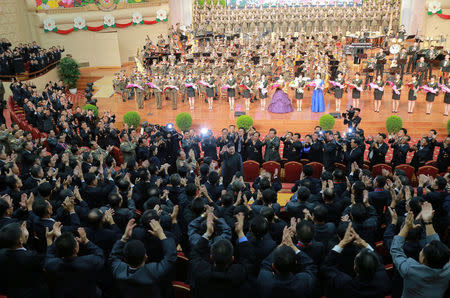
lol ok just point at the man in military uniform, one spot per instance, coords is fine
(140, 92)
(157, 91)
(445, 69)
(401, 58)
(421, 69)
(430, 55)
(369, 72)
(412, 52)
(380, 57)
(172, 92)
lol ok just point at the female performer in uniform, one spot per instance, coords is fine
(231, 91)
(378, 92)
(412, 94)
(396, 92)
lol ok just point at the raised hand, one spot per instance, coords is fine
(83, 238)
(156, 229)
(129, 230)
(427, 212)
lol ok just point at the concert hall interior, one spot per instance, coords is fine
(224, 148)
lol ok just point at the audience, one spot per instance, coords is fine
(74, 222)
(13, 60)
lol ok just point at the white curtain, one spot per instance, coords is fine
(180, 12)
(412, 15)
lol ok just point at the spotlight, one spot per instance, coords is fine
(204, 131)
(169, 126)
(350, 130)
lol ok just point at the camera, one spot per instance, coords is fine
(350, 113)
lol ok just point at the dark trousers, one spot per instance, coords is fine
(369, 79)
(402, 67)
(430, 70)
(411, 63)
(379, 68)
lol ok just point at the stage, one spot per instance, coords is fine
(303, 122)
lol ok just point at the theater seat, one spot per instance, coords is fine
(271, 166)
(117, 155)
(292, 171)
(181, 267)
(181, 290)
(377, 169)
(318, 167)
(251, 170)
(428, 170)
(409, 170)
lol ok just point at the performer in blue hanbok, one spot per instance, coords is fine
(317, 100)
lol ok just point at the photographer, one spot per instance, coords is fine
(351, 118)
(209, 145)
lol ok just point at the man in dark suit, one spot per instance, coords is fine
(299, 202)
(330, 147)
(28, 158)
(314, 183)
(371, 278)
(95, 193)
(134, 277)
(32, 182)
(280, 275)
(423, 153)
(67, 269)
(378, 150)
(231, 163)
(352, 155)
(253, 148)
(316, 150)
(401, 149)
(21, 269)
(380, 198)
(314, 249)
(214, 268)
(324, 231)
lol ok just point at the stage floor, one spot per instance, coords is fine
(303, 122)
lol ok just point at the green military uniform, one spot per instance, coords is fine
(157, 92)
(173, 93)
(140, 94)
(128, 151)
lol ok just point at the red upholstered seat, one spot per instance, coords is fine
(251, 170)
(318, 167)
(428, 170)
(376, 170)
(409, 170)
(181, 290)
(341, 166)
(292, 171)
(271, 166)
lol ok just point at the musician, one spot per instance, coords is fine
(430, 55)
(210, 90)
(447, 97)
(262, 89)
(370, 67)
(421, 69)
(157, 91)
(432, 84)
(172, 92)
(396, 92)
(356, 94)
(190, 91)
(412, 94)
(231, 90)
(401, 60)
(412, 52)
(445, 68)
(246, 93)
(378, 92)
(338, 91)
(299, 84)
(401, 33)
(381, 60)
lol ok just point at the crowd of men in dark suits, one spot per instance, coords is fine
(74, 224)
(13, 60)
